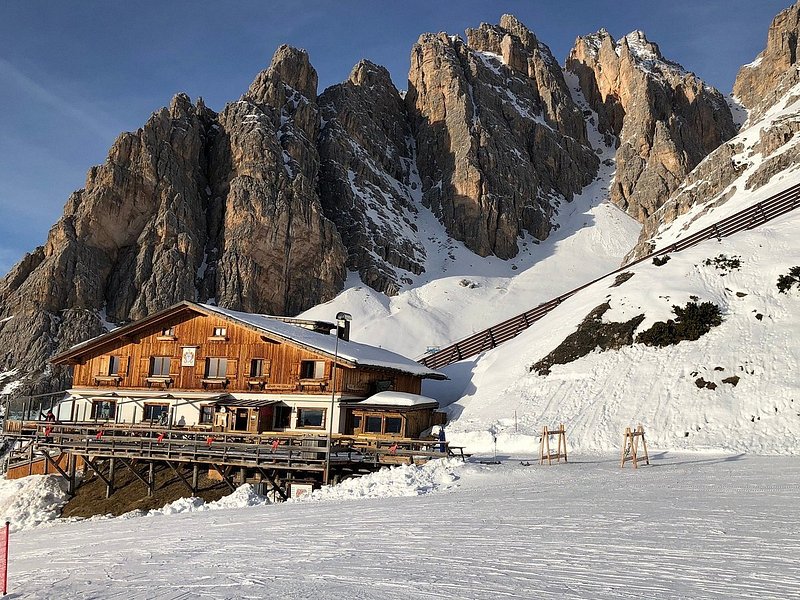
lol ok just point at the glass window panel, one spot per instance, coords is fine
(393, 425)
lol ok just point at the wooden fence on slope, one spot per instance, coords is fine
(749, 218)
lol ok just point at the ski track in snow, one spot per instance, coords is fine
(688, 526)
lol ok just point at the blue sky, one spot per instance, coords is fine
(73, 75)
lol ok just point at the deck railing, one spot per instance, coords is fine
(749, 218)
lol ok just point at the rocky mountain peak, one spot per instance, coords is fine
(289, 71)
(368, 73)
(765, 80)
(665, 119)
(485, 109)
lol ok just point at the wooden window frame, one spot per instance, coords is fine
(150, 405)
(97, 403)
(211, 360)
(167, 334)
(203, 412)
(219, 334)
(314, 376)
(301, 409)
(160, 359)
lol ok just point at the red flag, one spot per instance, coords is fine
(48, 431)
(209, 441)
(275, 444)
(99, 435)
(160, 437)
(393, 448)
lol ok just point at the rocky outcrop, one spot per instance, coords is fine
(760, 84)
(274, 250)
(765, 149)
(499, 140)
(666, 120)
(193, 205)
(368, 181)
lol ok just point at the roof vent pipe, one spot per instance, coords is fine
(343, 326)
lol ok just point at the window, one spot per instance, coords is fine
(259, 367)
(373, 424)
(393, 425)
(156, 412)
(159, 366)
(220, 332)
(310, 417)
(206, 414)
(168, 332)
(216, 368)
(356, 421)
(283, 416)
(113, 365)
(104, 409)
(312, 369)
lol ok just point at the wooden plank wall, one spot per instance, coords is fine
(282, 361)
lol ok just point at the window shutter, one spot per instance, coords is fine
(124, 363)
(102, 368)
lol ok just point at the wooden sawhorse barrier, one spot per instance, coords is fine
(544, 445)
(630, 447)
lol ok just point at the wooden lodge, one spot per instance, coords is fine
(200, 366)
(249, 397)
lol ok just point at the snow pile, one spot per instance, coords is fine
(31, 501)
(402, 480)
(244, 496)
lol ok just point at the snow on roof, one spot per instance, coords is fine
(398, 399)
(358, 354)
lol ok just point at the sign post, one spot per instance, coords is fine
(4, 556)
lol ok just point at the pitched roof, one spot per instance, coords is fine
(279, 328)
(357, 354)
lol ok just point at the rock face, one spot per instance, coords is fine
(368, 180)
(191, 206)
(666, 120)
(760, 84)
(277, 253)
(765, 149)
(499, 140)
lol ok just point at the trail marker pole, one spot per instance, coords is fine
(4, 557)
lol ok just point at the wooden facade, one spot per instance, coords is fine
(191, 366)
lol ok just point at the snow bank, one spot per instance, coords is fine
(402, 480)
(31, 501)
(243, 497)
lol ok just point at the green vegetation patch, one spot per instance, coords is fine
(787, 282)
(692, 321)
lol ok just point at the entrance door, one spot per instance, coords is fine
(241, 419)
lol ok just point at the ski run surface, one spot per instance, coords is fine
(687, 526)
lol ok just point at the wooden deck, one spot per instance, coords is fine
(276, 457)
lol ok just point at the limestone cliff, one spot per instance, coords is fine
(499, 140)
(665, 119)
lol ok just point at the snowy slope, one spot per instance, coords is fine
(599, 395)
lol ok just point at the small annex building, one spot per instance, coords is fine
(200, 366)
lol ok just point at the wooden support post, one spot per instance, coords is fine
(135, 472)
(48, 460)
(180, 476)
(544, 445)
(110, 482)
(151, 478)
(96, 470)
(224, 475)
(195, 477)
(71, 480)
(630, 447)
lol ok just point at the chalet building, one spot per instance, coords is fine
(198, 366)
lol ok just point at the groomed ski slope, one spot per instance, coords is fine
(688, 526)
